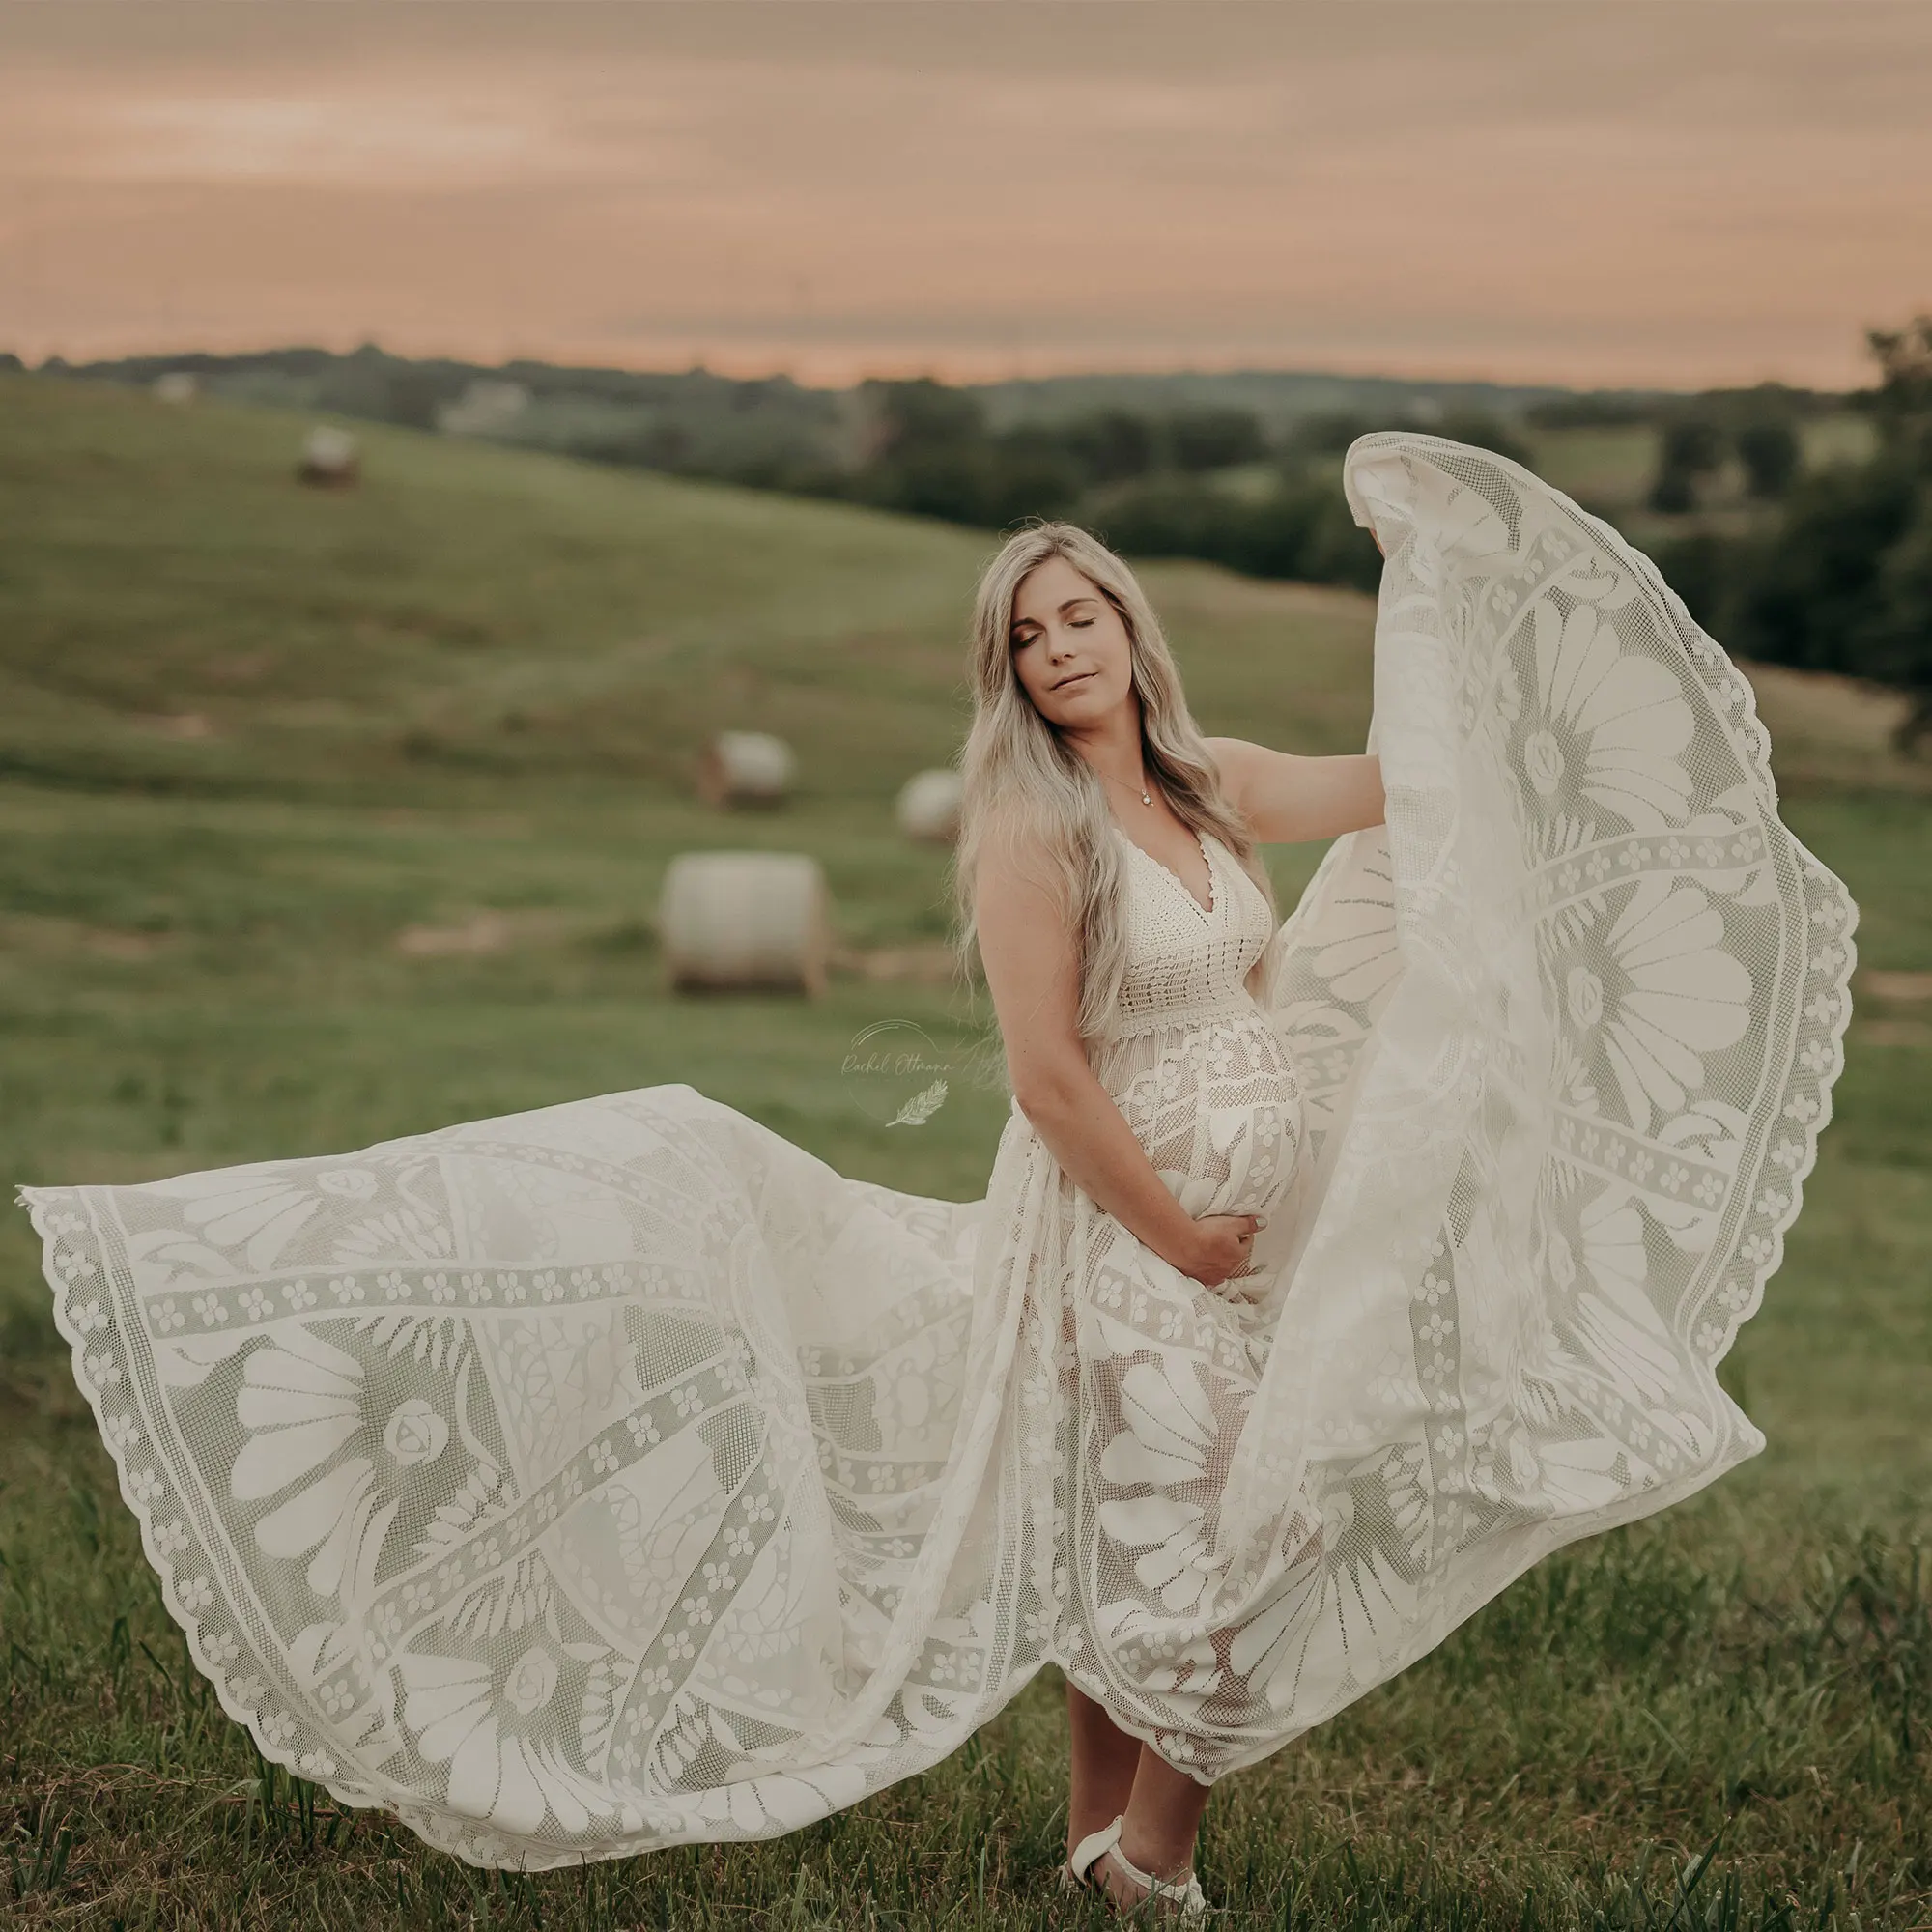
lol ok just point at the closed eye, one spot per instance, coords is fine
(1020, 639)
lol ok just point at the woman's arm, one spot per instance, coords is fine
(1288, 799)
(1028, 945)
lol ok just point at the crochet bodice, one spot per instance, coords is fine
(1201, 1073)
(1185, 961)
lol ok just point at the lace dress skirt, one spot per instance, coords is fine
(1159, 1373)
(619, 1474)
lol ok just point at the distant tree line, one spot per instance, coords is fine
(1170, 479)
(1829, 571)
(1841, 581)
(1198, 480)
(1203, 482)
(768, 433)
(1760, 428)
(931, 452)
(1150, 485)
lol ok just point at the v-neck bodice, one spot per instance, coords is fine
(1214, 895)
(1201, 1073)
(1186, 960)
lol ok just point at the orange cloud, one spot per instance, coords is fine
(1617, 192)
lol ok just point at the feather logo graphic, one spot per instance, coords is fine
(895, 1074)
(920, 1108)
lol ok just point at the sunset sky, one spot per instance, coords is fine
(1595, 191)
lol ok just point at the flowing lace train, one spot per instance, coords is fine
(617, 1474)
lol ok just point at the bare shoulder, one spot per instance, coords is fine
(1019, 897)
(1234, 759)
(1011, 864)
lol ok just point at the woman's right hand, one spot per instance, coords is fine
(1221, 1250)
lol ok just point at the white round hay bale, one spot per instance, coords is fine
(328, 458)
(176, 386)
(746, 768)
(928, 806)
(741, 920)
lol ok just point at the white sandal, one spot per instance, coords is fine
(1078, 1872)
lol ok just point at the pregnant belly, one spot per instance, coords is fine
(1244, 1160)
(1219, 1115)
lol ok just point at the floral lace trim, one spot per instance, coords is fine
(73, 1256)
(1831, 913)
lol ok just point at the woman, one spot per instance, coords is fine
(1152, 1050)
(616, 1474)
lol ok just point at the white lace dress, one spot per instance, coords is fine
(619, 1474)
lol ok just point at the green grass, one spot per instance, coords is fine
(198, 964)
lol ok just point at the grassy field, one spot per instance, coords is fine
(251, 736)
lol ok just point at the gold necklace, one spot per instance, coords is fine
(1146, 799)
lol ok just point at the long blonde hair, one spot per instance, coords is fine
(1022, 780)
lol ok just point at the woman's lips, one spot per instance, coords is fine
(1067, 683)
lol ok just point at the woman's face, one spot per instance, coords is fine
(1070, 648)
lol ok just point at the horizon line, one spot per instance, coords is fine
(731, 369)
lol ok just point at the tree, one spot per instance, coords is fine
(1329, 432)
(1845, 581)
(1691, 447)
(1810, 589)
(1302, 529)
(1770, 451)
(1215, 438)
(1484, 431)
(1897, 645)
(1033, 473)
(931, 455)
(1597, 409)
(1702, 566)
(416, 392)
(1904, 356)
(922, 415)
(1903, 402)
(1112, 444)
(1165, 516)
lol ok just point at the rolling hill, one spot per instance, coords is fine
(328, 817)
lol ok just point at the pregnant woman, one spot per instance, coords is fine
(619, 1474)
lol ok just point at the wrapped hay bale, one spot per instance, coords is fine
(928, 806)
(745, 768)
(328, 459)
(742, 920)
(179, 386)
